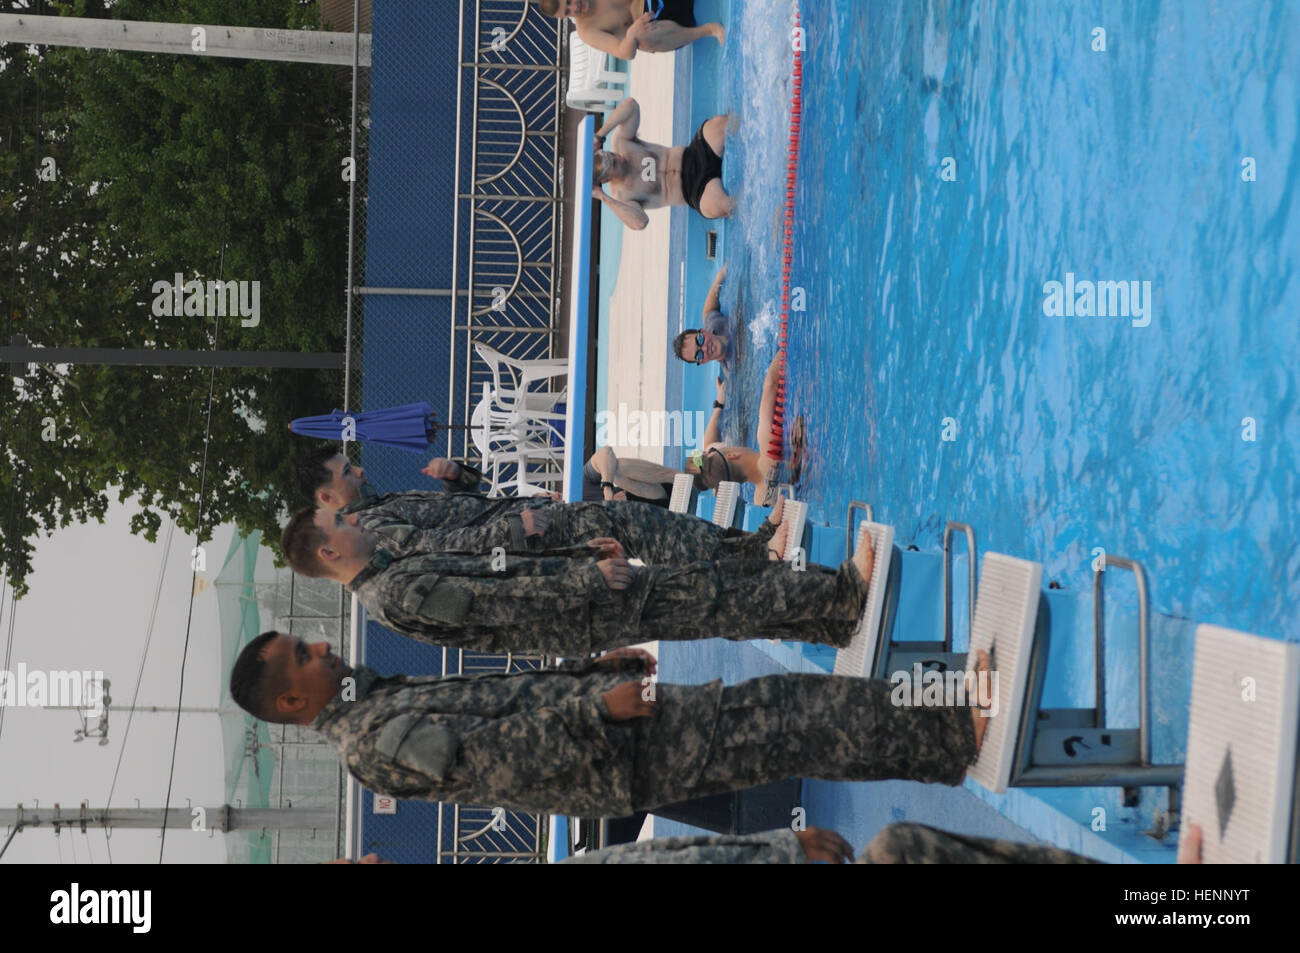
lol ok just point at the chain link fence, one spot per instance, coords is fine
(454, 239)
(457, 207)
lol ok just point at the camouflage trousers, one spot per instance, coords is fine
(652, 534)
(749, 599)
(813, 726)
(919, 844)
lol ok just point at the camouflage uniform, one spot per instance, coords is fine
(558, 603)
(412, 523)
(919, 844)
(542, 742)
(461, 514)
(895, 844)
(770, 847)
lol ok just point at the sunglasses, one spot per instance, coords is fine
(699, 344)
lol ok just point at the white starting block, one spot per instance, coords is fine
(1006, 618)
(861, 656)
(795, 517)
(725, 498)
(1240, 786)
(680, 501)
(874, 653)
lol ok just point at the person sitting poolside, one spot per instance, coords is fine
(643, 175)
(606, 477)
(621, 27)
(711, 342)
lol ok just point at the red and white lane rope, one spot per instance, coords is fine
(776, 446)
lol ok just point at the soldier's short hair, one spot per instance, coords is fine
(254, 683)
(299, 542)
(313, 474)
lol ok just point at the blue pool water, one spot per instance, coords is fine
(926, 296)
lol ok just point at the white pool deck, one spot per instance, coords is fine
(639, 306)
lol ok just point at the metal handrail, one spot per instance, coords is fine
(948, 531)
(1144, 647)
(848, 523)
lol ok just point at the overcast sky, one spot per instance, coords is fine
(92, 591)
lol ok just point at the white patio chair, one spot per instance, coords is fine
(513, 382)
(495, 432)
(588, 70)
(523, 480)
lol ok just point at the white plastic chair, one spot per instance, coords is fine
(495, 431)
(588, 70)
(524, 482)
(513, 382)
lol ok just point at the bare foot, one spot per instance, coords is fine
(972, 695)
(776, 545)
(864, 558)
(778, 512)
(1189, 851)
(797, 436)
(718, 32)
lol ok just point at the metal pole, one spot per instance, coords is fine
(224, 818)
(352, 214)
(181, 39)
(19, 354)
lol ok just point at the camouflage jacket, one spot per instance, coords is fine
(536, 742)
(431, 521)
(769, 847)
(554, 603)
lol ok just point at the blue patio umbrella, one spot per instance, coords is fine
(408, 427)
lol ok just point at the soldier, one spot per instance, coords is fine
(597, 739)
(579, 599)
(328, 479)
(906, 843)
(466, 521)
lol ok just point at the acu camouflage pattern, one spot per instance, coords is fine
(919, 844)
(828, 727)
(410, 523)
(895, 844)
(535, 742)
(769, 847)
(557, 602)
(540, 742)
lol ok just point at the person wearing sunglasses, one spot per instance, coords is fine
(712, 342)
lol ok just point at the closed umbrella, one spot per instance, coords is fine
(408, 427)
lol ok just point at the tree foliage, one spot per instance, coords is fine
(160, 160)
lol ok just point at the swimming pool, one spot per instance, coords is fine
(933, 383)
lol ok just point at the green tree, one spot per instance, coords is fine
(160, 158)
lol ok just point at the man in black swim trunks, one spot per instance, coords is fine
(621, 27)
(642, 175)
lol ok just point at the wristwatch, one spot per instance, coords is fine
(718, 404)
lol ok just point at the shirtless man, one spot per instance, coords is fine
(642, 175)
(621, 27)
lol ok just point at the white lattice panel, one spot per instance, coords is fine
(681, 498)
(724, 503)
